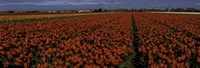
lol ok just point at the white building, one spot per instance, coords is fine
(52, 11)
(81, 11)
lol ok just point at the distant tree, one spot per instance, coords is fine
(177, 10)
(10, 11)
(166, 9)
(98, 10)
(158, 10)
(34, 11)
(105, 10)
(192, 10)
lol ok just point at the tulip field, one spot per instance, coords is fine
(34, 17)
(111, 40)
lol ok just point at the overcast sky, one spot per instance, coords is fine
(91, 4)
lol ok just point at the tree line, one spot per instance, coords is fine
(119, 10)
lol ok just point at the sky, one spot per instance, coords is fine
(25, 5)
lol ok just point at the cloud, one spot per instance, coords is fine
(198, 4)
(19, 1)
(58, 2)
(88, 4)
